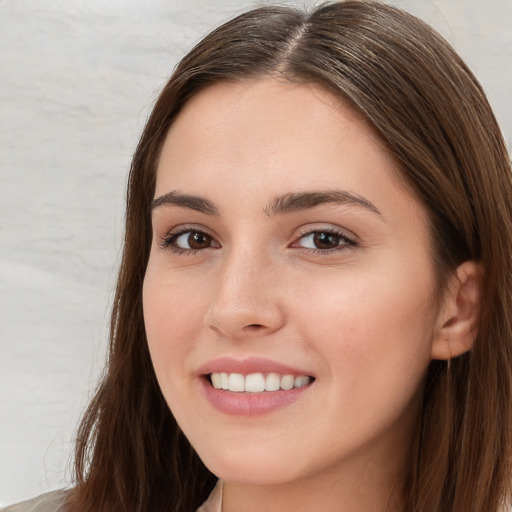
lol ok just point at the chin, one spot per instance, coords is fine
(252, 472)
(254, 466)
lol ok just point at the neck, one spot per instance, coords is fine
(369, 490)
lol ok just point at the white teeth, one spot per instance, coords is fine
(300, 381)
(236, 382)
(272, 382)
(287, 381)
(257, 382)
(216, 381)
(224, 380)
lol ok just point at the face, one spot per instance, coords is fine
(288, 298)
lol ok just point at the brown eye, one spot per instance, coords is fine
(198, 240)
(325, 241)
(189, 240)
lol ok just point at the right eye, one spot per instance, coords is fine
(188, 241)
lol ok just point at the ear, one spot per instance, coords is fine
(457, 323)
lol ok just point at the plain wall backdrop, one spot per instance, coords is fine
(77, 80)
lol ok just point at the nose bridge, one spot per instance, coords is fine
(246, 297)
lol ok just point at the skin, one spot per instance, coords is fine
(360, 316)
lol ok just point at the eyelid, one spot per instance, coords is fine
(166, 241)
(350, 240)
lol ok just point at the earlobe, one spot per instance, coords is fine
(457, 324)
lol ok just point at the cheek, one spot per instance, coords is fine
(375, 350)
(171, 317)
(371, 326)
(172, 312)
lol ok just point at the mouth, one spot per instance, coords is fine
(253, 386)
(257, 382)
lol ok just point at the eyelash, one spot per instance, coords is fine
(168, 241)
(346, 242)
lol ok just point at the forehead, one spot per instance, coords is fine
(259, 125)
(230, 102)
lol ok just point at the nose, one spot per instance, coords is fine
(246, 299)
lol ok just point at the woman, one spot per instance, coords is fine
(313, 300)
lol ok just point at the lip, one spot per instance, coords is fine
(245, 403)
(247, 366)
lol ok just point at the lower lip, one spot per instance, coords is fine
(251, 404)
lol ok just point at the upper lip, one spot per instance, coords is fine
(248, 366)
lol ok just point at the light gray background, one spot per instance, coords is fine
(77, 79)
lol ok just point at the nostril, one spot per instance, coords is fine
(254, 326)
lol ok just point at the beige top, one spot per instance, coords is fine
(53, 501)
(214, 501)
(49, 502)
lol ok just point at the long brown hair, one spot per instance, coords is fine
(434, 118)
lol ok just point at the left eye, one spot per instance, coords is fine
(193, 240)
(190, 240)
(324, 240)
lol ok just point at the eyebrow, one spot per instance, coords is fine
(199, 204)
(286, 203)
(297, 201)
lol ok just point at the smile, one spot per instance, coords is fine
(257, 382)
(252, 386)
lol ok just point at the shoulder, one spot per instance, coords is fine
(214, 502)
(49, 502)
